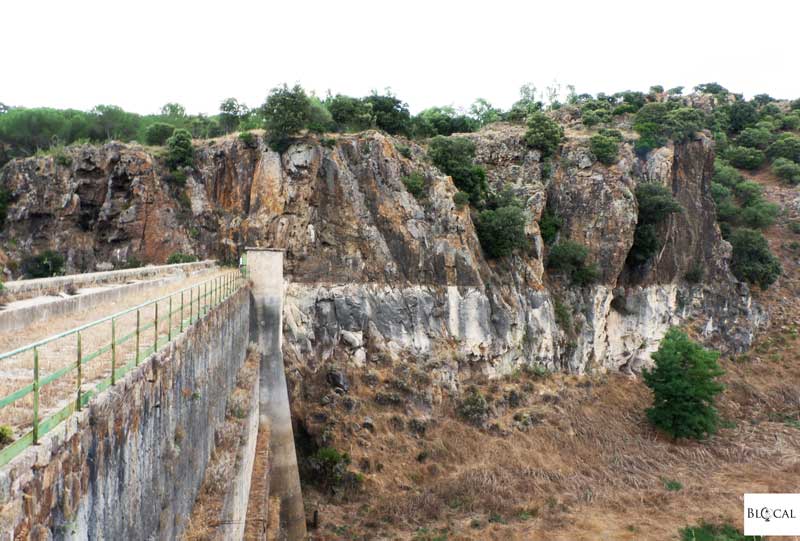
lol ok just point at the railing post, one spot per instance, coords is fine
(155, 330)
(191, 303)
(35, 396)
(138, 320)
(113, 351)
(79, 367)
(205, 298)
(181, 311)
(199, 306)
(169, 328)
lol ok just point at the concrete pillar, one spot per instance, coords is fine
(265, 268)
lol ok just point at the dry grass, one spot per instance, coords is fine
(204, 520)
(17, 371)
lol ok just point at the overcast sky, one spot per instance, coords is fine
(142, 53)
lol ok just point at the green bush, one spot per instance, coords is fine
(744, 157)
(442, 121)
(787, 145)
(604, 148)
(179, 257)
(783, 168)
(5, 199)
(390, 114)
(286, 112)
(726, 175)
(350, 114)
(453, 156)
(6, 435)
(657, 122)
(752, 260)
(501, 230)
(794, 227)
(684, 385)
(43, 265)
(329, 469)
(569, 258)
(656, 203)
(461, 199)
(543, 134)
(549, 225)
(741, 114)
(180, 152)
(158, 133)
(415, 184)
(760, 214)
(759, 138)
(748, 192)
(474, 408)
(695, 273)
(248, 139)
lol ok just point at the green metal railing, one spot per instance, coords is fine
(190, 304)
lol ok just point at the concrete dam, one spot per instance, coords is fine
(167, 420)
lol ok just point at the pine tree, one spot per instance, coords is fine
(684, 384)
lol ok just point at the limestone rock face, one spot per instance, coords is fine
(374, 273)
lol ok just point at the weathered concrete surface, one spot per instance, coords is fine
(266, 271)
(129, 466)
(25, 289)
(234, 509)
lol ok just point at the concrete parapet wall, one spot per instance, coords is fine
(25, 289)
(130, 464)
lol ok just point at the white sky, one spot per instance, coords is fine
(140, 54)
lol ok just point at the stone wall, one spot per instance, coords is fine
(130, 464)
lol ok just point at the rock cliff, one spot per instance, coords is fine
(375, 273)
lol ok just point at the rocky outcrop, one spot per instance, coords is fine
(407, 277)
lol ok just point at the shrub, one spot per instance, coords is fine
(453, 156)
(695, 273)
(474, 408)
(656, 203)
(549, 225)
(787, 145)
(741, 114)
(726, 175)
(752, 260)
(744, 157)
(759, 138)
(711, 88)
(442, 121)
(563, 316)
(158, 133)
(604, 148)
(6, 435)
(782, 168)
(179, 257)
(248, 139)
(286, 112)
(569, 258)
(684, 384)
(404, 150)
(794, 227)
(760, 214)
(543, 134)
(5, 199)
(415, 184)
(43, 265)
(501, 230)
(350, 114)
(329, 468)
(748, 192)
(672, 485)
(657, 122)
(180, 152)
(461, 199)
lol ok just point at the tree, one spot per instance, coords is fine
(711, 88)
(180, 152)
(752, 260)
(350, 114)
(569, 258)
(759, 138)
(173, 110)
(483, 111)
(43, 265)
(543, 134)
(605, 148)
(231, 113)
(286, 112)
(442, 121)
(684, 384)
(786, 170)
(502, 230)
(526, 105)
(391, 115)
(113, 122)
(453, 156)
(741, 114)
(158, 133)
